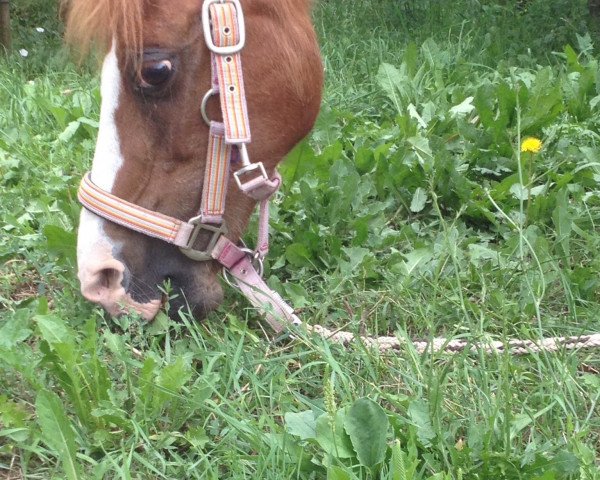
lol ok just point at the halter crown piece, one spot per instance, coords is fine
(225, 36)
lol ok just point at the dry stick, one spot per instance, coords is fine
(5, 37)
(444, 345)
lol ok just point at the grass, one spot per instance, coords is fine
(409, 211)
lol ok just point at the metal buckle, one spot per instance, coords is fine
(206, 25)
(206, 254)
(248, 167)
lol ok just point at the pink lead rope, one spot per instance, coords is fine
(224, 31)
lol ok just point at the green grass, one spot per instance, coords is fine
(409, 211)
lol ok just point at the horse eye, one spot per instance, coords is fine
(155, 73)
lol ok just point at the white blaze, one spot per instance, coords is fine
(108, 158)
(100, 273)
(92, 240)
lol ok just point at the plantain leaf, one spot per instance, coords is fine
(331, 436)
(338, 473)
(301, 424)
(418, 411)
(367, 425)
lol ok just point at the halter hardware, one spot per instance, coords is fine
(206, 254)
(208, 36)
(204, 105)
(250, 168)
(247, 168)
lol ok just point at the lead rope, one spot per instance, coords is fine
(516, 347)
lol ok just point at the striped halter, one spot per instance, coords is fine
(225, 35)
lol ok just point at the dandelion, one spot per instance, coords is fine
(24, 53)
(532, 145)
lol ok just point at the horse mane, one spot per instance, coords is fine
(94, 23)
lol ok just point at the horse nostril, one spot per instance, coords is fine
(109, 278)
(106, 281)
(100, 282)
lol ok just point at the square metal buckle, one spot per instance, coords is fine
(247, 169)
(206, 254)
(208, 37)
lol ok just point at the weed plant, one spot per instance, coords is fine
(410, 211)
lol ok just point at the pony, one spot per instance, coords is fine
(152, 140)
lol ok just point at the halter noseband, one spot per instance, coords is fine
(224, 33)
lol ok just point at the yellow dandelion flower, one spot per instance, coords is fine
(531, 144)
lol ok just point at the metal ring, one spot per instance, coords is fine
(227, 279)
(205, 100)
(256, 260)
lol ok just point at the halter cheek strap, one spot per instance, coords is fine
(224, 30)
